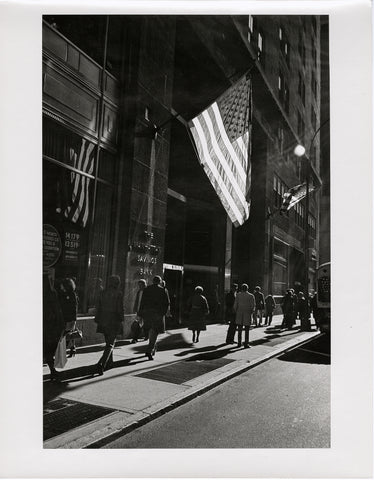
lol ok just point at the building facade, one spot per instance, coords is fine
(123, 190)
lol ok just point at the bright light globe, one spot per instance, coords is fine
(299, 150)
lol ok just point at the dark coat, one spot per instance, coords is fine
(153, 307)
(110, 312)
(259, 299)
(69, 305)
(198, 307)
(53, 322)
(288, 304)
(270, 303)
(303, 307)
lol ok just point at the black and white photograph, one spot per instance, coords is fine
(188, 258)
(186, 231)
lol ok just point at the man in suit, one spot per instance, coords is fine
(153, 307)
(138, 323)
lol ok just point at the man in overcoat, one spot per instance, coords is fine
(153, 307)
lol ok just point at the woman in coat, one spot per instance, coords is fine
(53, 324)
(198, 307)
(269, 309)
(244, 306)
(109, 318)
(69, 306)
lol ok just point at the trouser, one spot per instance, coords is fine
(268, 318)
(231, 331)
(246, 334)
(305, 322)
(107, 356)
(258, 316)
(152, 336)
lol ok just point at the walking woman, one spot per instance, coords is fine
(198, 307)
(53, 324)
(69, 306)
(109, 317)
(244, 306)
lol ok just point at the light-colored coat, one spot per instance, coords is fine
(244, 305)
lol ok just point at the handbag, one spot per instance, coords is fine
(60, 354)
(74, 334)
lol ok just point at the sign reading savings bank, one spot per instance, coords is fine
(222, 136)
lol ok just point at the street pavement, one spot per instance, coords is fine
(282, 403)
(85, 410)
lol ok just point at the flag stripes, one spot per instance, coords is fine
(294, 195)
(79, 208)
(222, 137)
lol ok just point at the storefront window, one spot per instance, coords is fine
(77, 211)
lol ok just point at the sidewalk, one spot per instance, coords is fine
(85, 410)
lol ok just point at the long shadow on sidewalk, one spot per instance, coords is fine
(200, 350)
(171, 342)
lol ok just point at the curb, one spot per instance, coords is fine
(121, 424)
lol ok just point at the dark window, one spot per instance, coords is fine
(299, 214)
(312, 226)
(284, 45)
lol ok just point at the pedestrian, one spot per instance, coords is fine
(230, 313)
(260, 305)
(198, 308)
(314, 308)
(69, 307)
(288, 309)
(269, 309)
(53, 324)
(295, 311)
(303, 311)
(109, 318)
(153, 307)
(168, 312)
(244, 306)
(138, 323)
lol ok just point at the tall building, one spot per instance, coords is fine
(123, 188)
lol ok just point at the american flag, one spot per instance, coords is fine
(222, 136)
(294, 195)
(79, 205)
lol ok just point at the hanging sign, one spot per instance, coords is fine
(52, 246)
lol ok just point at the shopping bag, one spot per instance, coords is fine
(60, 355)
